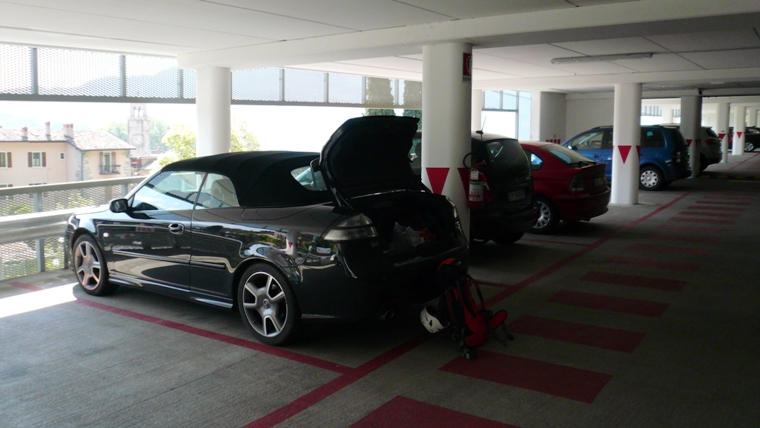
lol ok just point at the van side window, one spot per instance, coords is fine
(652, 139)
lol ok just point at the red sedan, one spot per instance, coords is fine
(568, 186)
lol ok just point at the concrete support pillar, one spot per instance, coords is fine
(739, 128)
(722, 128)
(446, 118)
(213, 100)
(691, 121)
(625, 144)
(476, 122)
(667, 115)
(548, 113)
(752, 116)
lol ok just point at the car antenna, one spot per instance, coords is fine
(482, 127)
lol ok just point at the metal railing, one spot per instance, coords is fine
(33, 219)
(110, 169)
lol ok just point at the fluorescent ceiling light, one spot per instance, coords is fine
(600, 58)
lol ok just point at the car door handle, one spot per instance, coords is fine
(176, 228)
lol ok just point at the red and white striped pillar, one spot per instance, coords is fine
(740, 117)
(722, 129)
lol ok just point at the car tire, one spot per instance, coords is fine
(267, 305)
(650, 178)
(548, 217)
(507, 238)
(90, 267)
(749, 146)
(702, 163)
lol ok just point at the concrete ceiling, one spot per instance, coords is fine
(707, 45)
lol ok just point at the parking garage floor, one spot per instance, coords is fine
(647, 316)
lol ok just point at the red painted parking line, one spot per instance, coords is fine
(727, 203)
(402, 412)
(729, 198)
(669, 249)
(702, 221)
(582, 334)
(320, 393)
(28, 287)
(694, 229)
(742, 162)
(679, 237)
(609, 303)
(547, 378)
(494, 284)
(635, 281)
(709, 214)
(716, 208)
(546, 241)
(656, 264)
(270, 350)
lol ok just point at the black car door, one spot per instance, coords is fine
(151, 241)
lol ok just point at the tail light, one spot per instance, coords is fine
(711, 141)
(677, 157)
(356, 227)
(577, 184)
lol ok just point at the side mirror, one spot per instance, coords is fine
(119, 205)
(314, 165)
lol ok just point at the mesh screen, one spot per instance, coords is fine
(66, 72)
(189, 78)
(261, 84)
(345, 89)
(60, 199)
(15, 70)
(304, 86)
(20, 258)
(152, 77)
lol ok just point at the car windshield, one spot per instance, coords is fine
(506, 153)
(309, 179)
(569, 157)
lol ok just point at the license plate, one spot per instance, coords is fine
(599, 181)
(517, 194)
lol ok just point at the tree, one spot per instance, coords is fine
(180, 140)
(158, 129)
(413, 96)
(379, 93)
(242, 139)
(118, 130)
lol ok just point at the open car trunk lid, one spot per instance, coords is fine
(369, 155)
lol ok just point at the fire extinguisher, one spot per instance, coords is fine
(477, 189)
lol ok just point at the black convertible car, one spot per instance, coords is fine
(347, 234)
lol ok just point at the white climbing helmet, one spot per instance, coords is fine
(431, 320)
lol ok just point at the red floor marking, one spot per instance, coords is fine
(270, 350)
(494, 284)
(735, 198)
(635, 281)
(727, 203)
(687, 238)
(714, 208)
(402, 412)
(608, 303)
(693, 228)
(740, 163)
(553, 379)
(656, 264)
(668, 249)
(320, 393)
(599, 337)
(546, 241)
(702, 220)
(25, 286)
(709, 214)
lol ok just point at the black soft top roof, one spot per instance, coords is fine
(262, 178)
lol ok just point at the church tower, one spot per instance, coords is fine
(138, 130)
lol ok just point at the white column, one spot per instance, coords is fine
(691, 121)
(625, 142)
(667, 115)
(476, 121)
(213, 99)
(548, 113)
(722, 129)
(752, 116)
(446, 117)
(739, 128)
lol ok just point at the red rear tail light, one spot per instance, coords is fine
(711, 141)
(577, 185)
(677, 157)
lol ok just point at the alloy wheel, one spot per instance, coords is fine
(265, 304)
(87, 265)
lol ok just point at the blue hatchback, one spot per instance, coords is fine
(664, 153)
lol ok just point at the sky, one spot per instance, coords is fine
(297, 128)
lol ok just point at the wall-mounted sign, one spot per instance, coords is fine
(467, 67)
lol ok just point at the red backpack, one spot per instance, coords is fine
(470, 323)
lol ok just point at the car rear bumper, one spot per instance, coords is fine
(583, 207)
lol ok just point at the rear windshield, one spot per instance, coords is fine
(569, 157)
(507, 154)
(711, 133)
